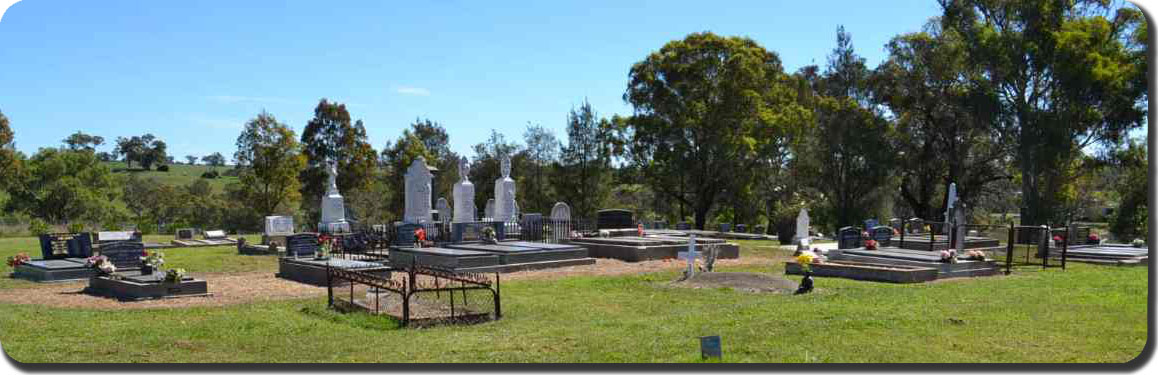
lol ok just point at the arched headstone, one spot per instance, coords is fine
(561, 211)
(418, 192)
(464, 209)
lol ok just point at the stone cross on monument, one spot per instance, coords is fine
(333, 205)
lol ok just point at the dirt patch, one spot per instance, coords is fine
(238, 288)
(745, 281)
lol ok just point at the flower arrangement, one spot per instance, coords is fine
(324, 244)
(175, 275)
(949, 256)
(18, 259)
(153, 260)
(1138, 242)
(488, 235)
(575, 234)
(975, 255)
(1057, 240)
(1093, 238)
(640, 230)
(101, 263)
(805, 259)
(870, 244)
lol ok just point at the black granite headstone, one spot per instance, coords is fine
(65, 245)
(848, 238)
(615, 219)
(185, 234)
(404, 234)
(883, 235)
(124, 254)
(302, 244)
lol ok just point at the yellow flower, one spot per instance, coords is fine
(805, 260)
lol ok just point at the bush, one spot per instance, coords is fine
(163, 168)
(38, 227)
(210, 175)
(75, 228)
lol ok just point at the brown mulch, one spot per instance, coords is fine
(238, 288)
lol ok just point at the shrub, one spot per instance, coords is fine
(75, 228)
(210, 175)
(163, 168)
(38, 227)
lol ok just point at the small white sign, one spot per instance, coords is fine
(114, 236)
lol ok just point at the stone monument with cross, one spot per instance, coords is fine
(333, 205)
(506, 209)
(464, 209)
(418, 193)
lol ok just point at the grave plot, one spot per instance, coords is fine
(896, 273)
(523, 255)
(133, 286)
(904, 258)
(302, 263)
(637, 249)
(420, 296)
(458, 260)
(1112, 254)
(210, 238)
(64, 256)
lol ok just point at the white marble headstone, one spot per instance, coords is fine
(279, 225)
(802, 223)
(561, 211)
(505, 207)
(950, 201)
(443, 210)
(333, 205)
(418, 192)
(464, 209)
(489, 210)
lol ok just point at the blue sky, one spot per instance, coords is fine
(193, 72)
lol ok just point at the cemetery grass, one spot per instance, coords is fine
(1089, 313)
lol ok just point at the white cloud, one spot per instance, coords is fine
(4, 5)
(416, 91)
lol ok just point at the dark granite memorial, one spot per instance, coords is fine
(454, 259)
(883, 235)
(637, 249)
(313, 271)
(916, 258)
(65, 245)
(135, 287)
(615, 219)
(848, 238)
(301, 245)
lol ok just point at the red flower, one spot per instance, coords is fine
(420, 234)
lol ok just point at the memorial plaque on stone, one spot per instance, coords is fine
(303, 244)
(614, 219)
(124, 254)
(404, 234)
(214, 234)
(65, 245)
(683, 225)
(279, 225)
(118, 236)
(185, 234)
(848, 238)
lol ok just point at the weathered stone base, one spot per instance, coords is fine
(500, 258)
(313, 271)
(867, 271)
(56, 270)
(137, 287)
(638, 249)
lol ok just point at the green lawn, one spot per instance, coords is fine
(1085, 314)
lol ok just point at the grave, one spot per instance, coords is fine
(63, 258)
(561, 211)
(652, 247)
(523, 255)
(915, 258)
(418, 194)
(866, 271)
(136, 287)
(883, 235)
(184, 234)
(848, 238)
(445, 258)
(725, 227)
(300, 264)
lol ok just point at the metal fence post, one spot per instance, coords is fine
(1009, 249)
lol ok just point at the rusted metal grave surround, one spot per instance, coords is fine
(418, 280)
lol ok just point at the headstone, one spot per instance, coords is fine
(532, 227)
(710, 347)
(118, 236)
(333, 205)
(489, 210)
(561, 211)
(301, 245)
(404, 234)
(185, 234)
(742, 228)
(802, 224)
(725, 227)
(443, 210)
(959, 226)
(123, 254)
(950, 201)
(418, 192)
(848, 238)
(65, 245)
(683, 225)
(505, 207)
(871, 223)
(614, 219)
(883, 235)
(464, 209)
(279, 225)
(215, 234)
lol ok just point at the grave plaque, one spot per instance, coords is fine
(65, 245)
(404, 234)
(710, 347)
(279, 225)
(871, 223)
(683, 225)
(123, 254)
(103, 237)
(214, 234)
(725, 227)
(848, 238)
(304, 244)
(561, 211)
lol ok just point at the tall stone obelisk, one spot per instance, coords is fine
(333, 206)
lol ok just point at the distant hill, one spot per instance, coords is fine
(178, 174)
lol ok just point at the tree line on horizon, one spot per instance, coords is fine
(1026, 105)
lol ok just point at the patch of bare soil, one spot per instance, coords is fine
(239, 288)
(745, 281)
